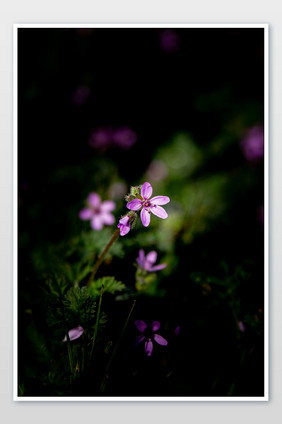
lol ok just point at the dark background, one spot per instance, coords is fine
(213, 76)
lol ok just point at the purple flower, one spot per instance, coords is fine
(80, 95)
(98, 212)
(100, 138)
(124, 225)
(169, 41)
(253, 144)
(147, 262)
(241, 326)
(124, 137)
(148, 206)
(74, 333)
(148, 335)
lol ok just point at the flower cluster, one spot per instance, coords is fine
(140, 199)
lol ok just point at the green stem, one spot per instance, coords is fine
(97, 322)
(104, 382)
(101, 258)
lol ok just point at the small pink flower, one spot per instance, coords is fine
(148, 335)
(98, 212)
(124, 225)
(74, 333)
(147, 262)
(149, 205)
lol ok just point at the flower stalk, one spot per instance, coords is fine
(101, 258)
(104, 381)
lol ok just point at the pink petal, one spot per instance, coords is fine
(108, 218)
(74, 333)
(97, 222)
(145, 217)
(85, 214)
(146, 191)
(134, 205)
(151, 257)
(123, 229)
(160, 200)
(141, 325)
(157, 267)
(160, 340)
(141, 257)
(124, 220)
(139, 339)
(155, 325)
(94, 200)
(159, 211)
(108, 206)
(149, 347)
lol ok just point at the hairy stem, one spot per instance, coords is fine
(101, 258)
(97, 322)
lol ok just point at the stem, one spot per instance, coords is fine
(101, 258)
(97, 322)
(104, 382)
(70, 354)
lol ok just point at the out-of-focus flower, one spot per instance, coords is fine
(124, 137)
(177, 330)
(98, 212)
(241, 326)
(117, 190)
(169, 41)
(149, 334)
(147, 262)
(252, 144)
(149, 206)
(157, 171)
(74, 333)
(103, 138)
(100, 138)
(80, 95)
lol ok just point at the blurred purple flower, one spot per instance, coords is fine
(74, 333)
(80, 95)
(147, 262)
(252, 144)
(98, 212)
(157, 170)
(241, 326)
(124, 225)
(105, 137)
(148, 335)
(101, 138)
(149, 206)
(124, 137)
(177, 330)
(169, 41)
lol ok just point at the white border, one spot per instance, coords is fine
(266, 215)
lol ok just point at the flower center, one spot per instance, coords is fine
(147, 204)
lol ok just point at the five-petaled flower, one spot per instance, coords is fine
(98, 212)
(149, 205)
(146, 262)
(74, 333)
(149, 333)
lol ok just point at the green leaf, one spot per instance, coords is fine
(110, 285)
